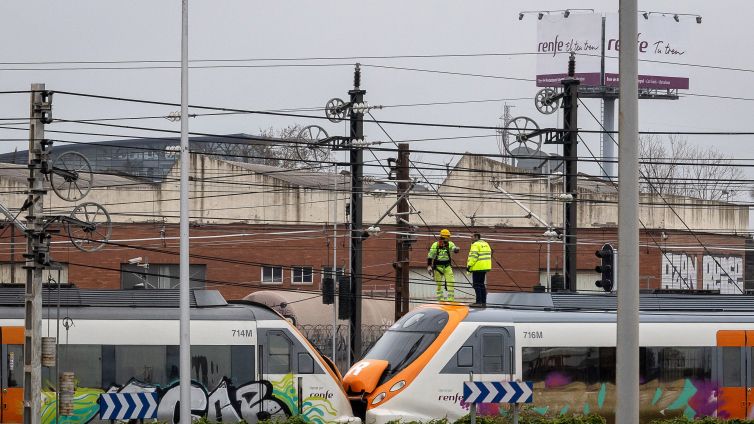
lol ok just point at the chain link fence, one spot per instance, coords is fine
(321, 336)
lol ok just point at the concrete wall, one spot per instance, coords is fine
(223, 192)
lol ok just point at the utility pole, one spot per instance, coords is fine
(37, 249)
(357, 194)
(184, 329)
(627, 331)
(571, 157)
(402, 239)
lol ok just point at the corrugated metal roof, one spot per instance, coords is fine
(297, 177)
(608, 302)
(20, 173)
(14, 296)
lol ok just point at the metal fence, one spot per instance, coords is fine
(321, 336)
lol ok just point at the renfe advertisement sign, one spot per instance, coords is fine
(660, 40)
(557, 37)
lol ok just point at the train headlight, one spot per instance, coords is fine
(379, 398)
(397, 386)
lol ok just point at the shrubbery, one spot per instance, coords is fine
(524, 418)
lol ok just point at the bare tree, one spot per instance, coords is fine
(678, 168)
(290, 150)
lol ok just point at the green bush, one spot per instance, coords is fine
(703, 420)
(296, 419)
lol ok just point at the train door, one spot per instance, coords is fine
(11, 374)
(288, 367)
(735, 364)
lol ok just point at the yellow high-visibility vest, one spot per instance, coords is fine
(480, 256)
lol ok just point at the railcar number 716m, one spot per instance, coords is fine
(533, 335)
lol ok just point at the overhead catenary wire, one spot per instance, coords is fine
(386, 122)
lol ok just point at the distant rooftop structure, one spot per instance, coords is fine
(152, 158)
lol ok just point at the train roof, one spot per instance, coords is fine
(657, 302)
(162, 304)
(579, 307)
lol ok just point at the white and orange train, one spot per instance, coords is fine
(696, 357)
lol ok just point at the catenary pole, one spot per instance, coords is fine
(402, 239)
(571, 157)
(335, 264)
(627, 352)
(36, 249)
(185, 317)
(357, 194)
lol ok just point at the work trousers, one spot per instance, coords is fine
(477, 280)
(445, 283)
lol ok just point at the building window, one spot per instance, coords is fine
(272, 275)
(160, 276)
(327, 271)
(302, 275)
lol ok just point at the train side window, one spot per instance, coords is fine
(732, 367)
(209, 364)
(85, 361)
(242, 363)
(465, 356)
(144, 363)
(305, 363)
(278, 353)
(15, 366)
(492, 353)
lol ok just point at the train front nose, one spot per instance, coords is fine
(360, 381)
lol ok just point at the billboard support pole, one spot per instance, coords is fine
(608, 143)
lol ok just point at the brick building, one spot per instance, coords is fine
(259, 227)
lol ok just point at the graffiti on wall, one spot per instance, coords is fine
(678, 271)
(724, 273)
(229, 403)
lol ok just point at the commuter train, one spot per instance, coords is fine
(247, 362)
(696, 357)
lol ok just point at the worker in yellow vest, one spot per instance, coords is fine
(479, 264)
(440, 267)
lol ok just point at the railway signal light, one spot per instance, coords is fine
(606, 267)
(328, 291)
(344, 297)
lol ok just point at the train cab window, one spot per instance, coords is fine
(486, 351)
(465, 356)
(305, 363)
(278, 353)
(492, 353)
(407, 339)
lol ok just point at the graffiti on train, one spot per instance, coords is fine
(250, 402)
(690, 398)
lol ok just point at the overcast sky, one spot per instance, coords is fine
(98, 30)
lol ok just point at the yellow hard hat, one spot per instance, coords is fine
(444, 232)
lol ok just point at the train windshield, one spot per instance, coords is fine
(407, 339)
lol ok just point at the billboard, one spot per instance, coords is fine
(660, 40)
(557, 37)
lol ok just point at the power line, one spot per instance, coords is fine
(387, 122)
